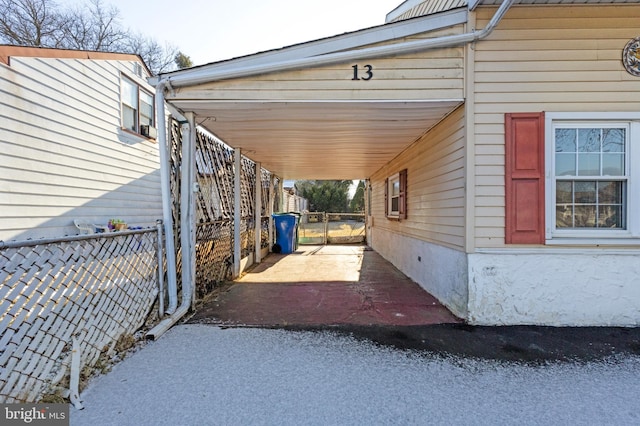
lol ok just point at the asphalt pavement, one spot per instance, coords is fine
(506, 343)
(199, 374)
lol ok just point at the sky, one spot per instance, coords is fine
(214, 30)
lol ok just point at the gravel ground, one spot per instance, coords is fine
(205, 375)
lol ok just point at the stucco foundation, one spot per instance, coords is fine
(557, 288)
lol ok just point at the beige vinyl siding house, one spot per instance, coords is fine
(552, 59)
(564, 61)
(65, 154)
(458, 130)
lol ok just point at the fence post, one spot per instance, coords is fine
(325, 219)
(160, 251)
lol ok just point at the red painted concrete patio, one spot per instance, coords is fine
(324, 285)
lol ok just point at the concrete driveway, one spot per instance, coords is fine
(325, 285)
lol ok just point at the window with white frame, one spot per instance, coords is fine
(393, 200)
(589, 177)
(137, 108)
(395, 194)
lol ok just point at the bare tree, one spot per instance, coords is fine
(93, 27)
(96, 27)
(30, 23)
(158, 58)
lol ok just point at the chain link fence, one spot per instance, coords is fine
(97, 289)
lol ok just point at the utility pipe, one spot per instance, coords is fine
(165, 185)
(191, 78)
(161, 310)
(172, 287)
(187, 233)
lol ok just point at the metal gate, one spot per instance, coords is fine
(331, 228)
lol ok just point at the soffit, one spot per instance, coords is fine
(320, 140)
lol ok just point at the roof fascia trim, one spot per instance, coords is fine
(7, 51)
(379, 34)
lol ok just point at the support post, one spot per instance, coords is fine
(258, 214)
(187, 211)
(281, 191)
(237, 213)
(272, 200)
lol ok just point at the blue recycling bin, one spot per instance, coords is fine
(286, 232)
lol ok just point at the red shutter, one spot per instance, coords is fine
(402, 198)
(386, 197)
(524, 178)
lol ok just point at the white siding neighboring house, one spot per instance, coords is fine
(71, 142)
(292, 202)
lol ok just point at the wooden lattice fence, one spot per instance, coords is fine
(94, 289)
(215, 171)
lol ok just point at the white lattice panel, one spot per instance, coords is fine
(96, 289)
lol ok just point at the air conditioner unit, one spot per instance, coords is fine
(149, 131)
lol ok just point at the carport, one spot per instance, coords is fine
(336, 108)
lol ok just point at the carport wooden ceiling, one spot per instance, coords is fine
(319, 139)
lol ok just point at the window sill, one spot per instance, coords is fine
(137, 135)
(593, 242)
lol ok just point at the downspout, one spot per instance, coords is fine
(205, 76)
(165, 184)
(175, 314)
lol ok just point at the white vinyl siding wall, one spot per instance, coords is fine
(543, 58)
(435, 187)
(63, 154)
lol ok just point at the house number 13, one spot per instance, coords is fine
(368, 73)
